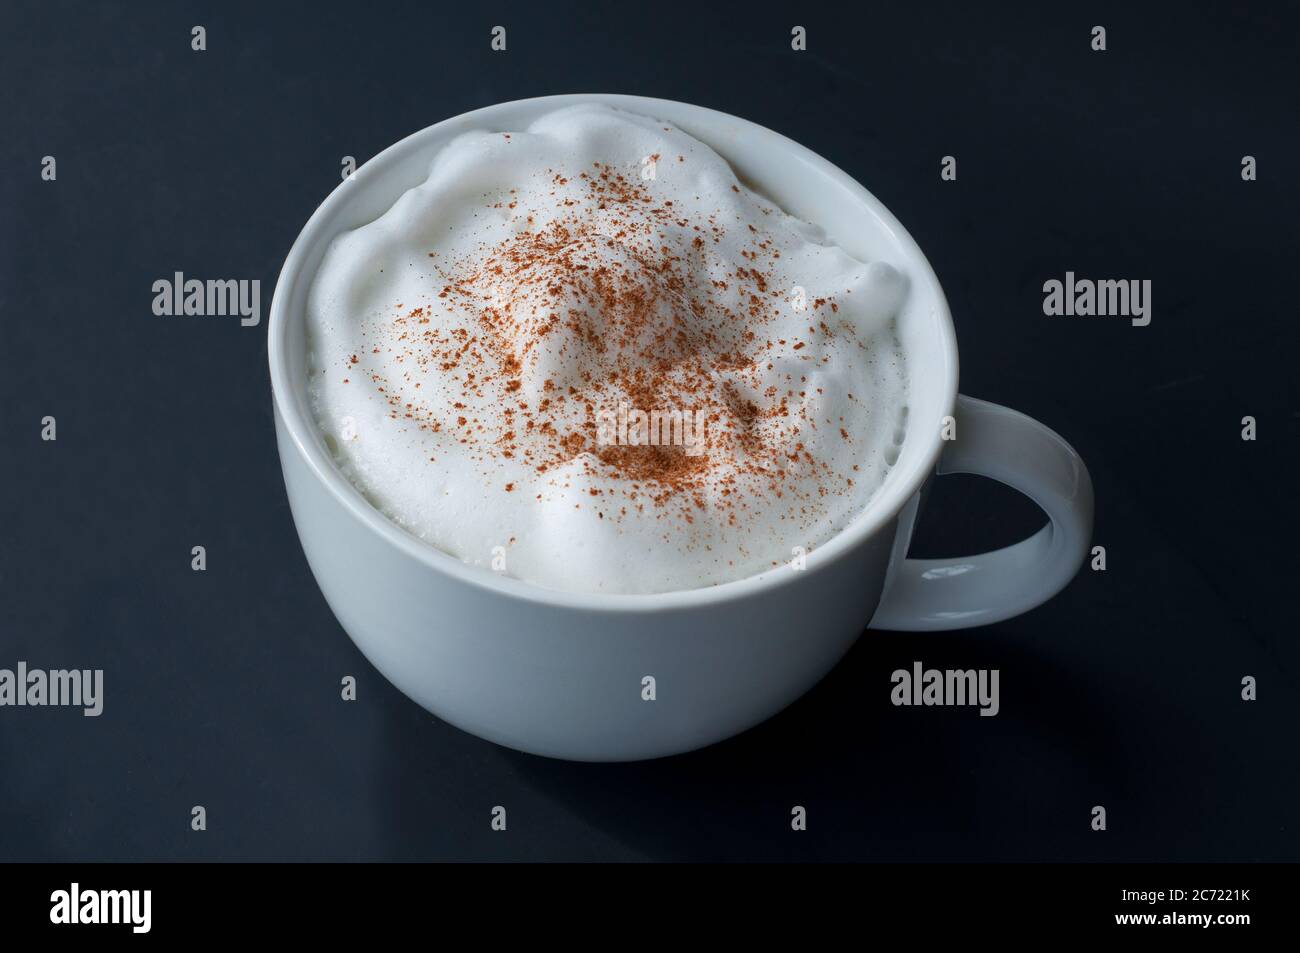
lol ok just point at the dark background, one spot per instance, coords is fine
(222, 688)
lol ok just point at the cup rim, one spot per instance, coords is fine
(880, 510)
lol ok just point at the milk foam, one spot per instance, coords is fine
(474, 349)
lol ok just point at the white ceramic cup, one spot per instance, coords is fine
(561, 673)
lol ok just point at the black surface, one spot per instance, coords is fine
(222, 688)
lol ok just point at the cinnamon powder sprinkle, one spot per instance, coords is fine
(596, 308)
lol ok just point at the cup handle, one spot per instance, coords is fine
(1005, 445)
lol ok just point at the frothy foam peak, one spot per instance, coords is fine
(586, 355)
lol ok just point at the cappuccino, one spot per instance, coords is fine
(585, 354)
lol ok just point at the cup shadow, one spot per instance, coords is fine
(878, 782)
